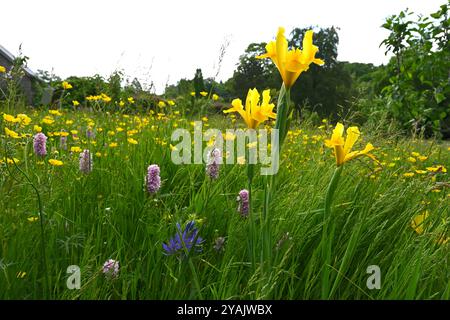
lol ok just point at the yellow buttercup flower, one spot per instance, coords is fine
(171, 102)
(10, 118)
(132, 132)
(55, 112)
(229, 136)
(132, 141)
(66, 85)
(105, 98)
(437, 169)
(240, 160)
(48, 120)
(23, 119)
(203, 93)
(130, 99)
(291, 63)
(161, 104)
(75, 103)
(56, 163)
(75, 149)
(12, 134)
(215, 97)
(342, 147)
(192, 93)
(10, 161)
(2, 69)
(254, 113)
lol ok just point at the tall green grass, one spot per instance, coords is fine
(108, 214)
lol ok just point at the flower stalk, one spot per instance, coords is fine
(326, 240)
(282, 124)
(41, 222)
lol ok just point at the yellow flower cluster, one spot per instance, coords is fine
(104, 97)
(21, 119)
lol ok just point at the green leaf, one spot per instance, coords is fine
(439, 97)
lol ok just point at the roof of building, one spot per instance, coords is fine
(10, 57)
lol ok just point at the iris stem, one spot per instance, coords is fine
(250, 174)
(327, 241)
(281, 124)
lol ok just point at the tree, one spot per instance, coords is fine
(326, 39)
(322, 88)
(114, 88)
(183, 88)
(199, 84)
(254, 73)
(418, 93)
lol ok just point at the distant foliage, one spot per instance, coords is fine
(418, 91)
(253, 73)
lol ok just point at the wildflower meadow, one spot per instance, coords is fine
(122, 194)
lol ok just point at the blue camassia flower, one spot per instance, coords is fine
(187, 238)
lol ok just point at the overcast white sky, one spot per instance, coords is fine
(163, 41)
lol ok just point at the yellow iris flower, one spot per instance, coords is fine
(342, 147)
(254, 113)
(291, 63)
(417, 223)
